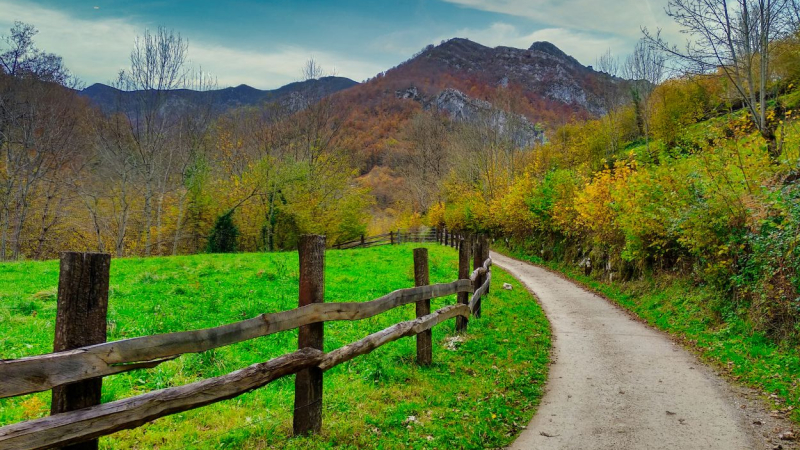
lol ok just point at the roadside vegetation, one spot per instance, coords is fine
(689, 313)
(681, 205)
(482, 388)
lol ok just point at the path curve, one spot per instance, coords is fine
(616, 383)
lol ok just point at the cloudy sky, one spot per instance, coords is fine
(264, 43)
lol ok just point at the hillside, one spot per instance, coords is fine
(110, 98)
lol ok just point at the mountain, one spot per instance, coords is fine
(546, 76)
(110, 99)
(541, 84)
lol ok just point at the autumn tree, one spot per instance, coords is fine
(40, 141)
(734, 37)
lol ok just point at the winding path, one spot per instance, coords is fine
(616, 383)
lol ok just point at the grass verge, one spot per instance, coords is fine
(478, 393)
(689, 312)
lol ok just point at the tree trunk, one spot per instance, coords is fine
(179, 223)
(148, 218)
(4, 235)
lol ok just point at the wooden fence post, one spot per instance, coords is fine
(362, 239)
(463, 273)
(485, 246)
(423, 307)
(81, 320)
(391, 237)
(478, 262)
(308, 382)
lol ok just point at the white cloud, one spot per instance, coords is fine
(618, 17)
(95, 50)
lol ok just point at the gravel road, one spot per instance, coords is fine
(616, 383)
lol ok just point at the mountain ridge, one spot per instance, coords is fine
(109, 98)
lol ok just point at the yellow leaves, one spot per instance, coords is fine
(510, 212)
(33, 407)
(595, 205)
(435, 215)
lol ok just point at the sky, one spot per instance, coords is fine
(265, 43)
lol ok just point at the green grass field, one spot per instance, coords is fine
(477, 394)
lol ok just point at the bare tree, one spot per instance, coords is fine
(38, 138)
(424, 161)
(318, 117)
(613, 99)
(22, 59)
(159, 64)
(733, 37)
(645, 68)
(794, 15)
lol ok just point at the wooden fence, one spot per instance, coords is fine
(441, 235)
(390, 238)
(82, 357)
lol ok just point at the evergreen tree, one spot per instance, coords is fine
(223, 236)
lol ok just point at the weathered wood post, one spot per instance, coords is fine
(423, 307)
(463, 273)
(308, 382)
(362, 240)
(486, 248)
(391, 237)
(81, 320)
(478, 262)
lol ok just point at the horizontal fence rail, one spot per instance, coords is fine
(86, 424)
(43, 372)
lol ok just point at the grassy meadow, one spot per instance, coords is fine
(477, 394)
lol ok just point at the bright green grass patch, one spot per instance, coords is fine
(477, 394)
(687, 311)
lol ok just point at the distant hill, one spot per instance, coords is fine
(110, 99)
(541, 83)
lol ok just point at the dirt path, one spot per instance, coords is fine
(616, 383)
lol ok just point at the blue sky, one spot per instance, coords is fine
(265, 43)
